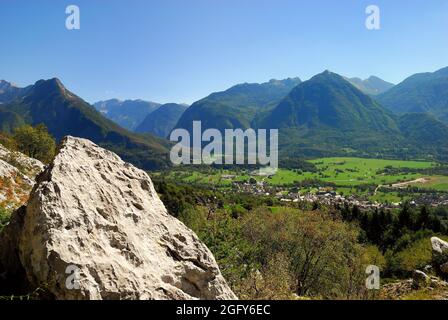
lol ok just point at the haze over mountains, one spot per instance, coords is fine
(9, 91)
(129, 113)
(326, 115)
(371, 86)
(163, 120)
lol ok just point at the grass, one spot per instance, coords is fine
(344, 172)
(4, 217)
(439, 183)
(359, 171)
(387, 197)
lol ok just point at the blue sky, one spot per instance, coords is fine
(182, 50)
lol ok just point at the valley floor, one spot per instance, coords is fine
(365, 182)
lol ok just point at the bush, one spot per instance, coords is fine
(415, 256)
(325, 259)
(4, 217)
(35, 142)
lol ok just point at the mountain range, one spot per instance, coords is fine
(326, 115)
(64, 113)
(238, 106)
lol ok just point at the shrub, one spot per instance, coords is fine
(4, 217)
(35, 142)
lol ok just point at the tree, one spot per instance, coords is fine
(423, 218)
(404, 217)
(323, 253)
(35, 142)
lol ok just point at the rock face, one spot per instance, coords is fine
(94, 228)
(420, 280)
(29, 166)
(438, 245)
(440, 254)
(17, 173)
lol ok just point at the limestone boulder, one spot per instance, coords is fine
(95, 228)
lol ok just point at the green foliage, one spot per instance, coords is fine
(269, 250)
(5, 215)
(325, 257)
(35, 142)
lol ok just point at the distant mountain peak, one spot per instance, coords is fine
(64, 113)
(53, 84)
(328, 100)
(9, 91)
(327, 74)
(127, 113)
(371, 86)
(373, 78)
(6, 85)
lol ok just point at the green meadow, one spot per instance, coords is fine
(352, 171)
(347, 174)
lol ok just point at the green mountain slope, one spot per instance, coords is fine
(162, 121)
(423, 92)
(328, 115)
(425, 135)
(64, 113)
(327, 100)
(9, 120)
(128, 114)
(238, 106)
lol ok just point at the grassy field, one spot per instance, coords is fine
(439, 183)
(352, 171)
(346, 173)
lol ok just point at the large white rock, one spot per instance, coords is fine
(420, 279)
(438, 245)
(440, 254)
(92, 212)
(28, 166)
